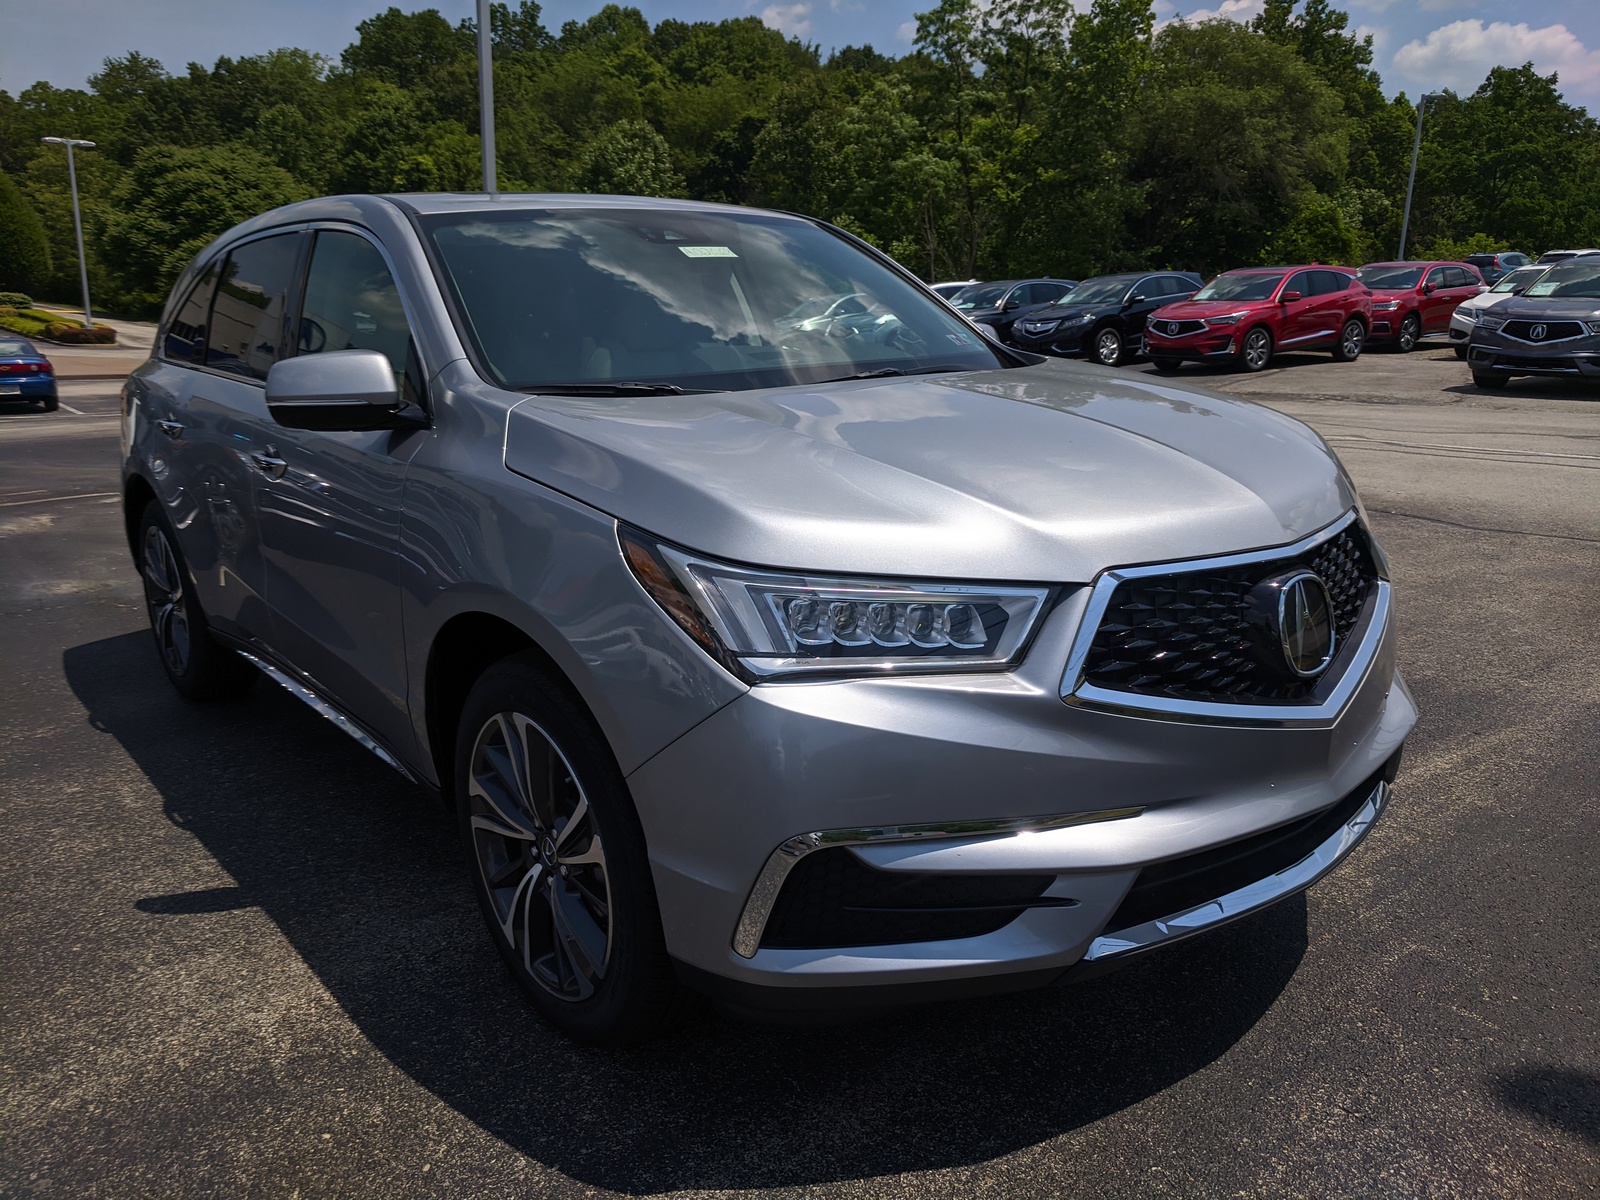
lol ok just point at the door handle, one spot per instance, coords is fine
(172, 429)
(268, 462)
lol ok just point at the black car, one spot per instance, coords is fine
(25, 374)
(1493, 266)
(1104, 317)
(1553, 328)
(1002, 304)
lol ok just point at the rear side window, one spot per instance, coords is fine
(1300, 281)
(1043, 293)
(247, 318)
(351, 301)
(1330, 281)
(186, 335)
(1440, 277)
(1463, 277)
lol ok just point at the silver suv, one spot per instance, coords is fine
(832, 665)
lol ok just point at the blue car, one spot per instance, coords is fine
(25, 374)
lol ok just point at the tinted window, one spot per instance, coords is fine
(247, 318)
(1043, 293)
(1330, 281)
(351, 302)
(1440, 277)
(1300, 282)
(593, 299)
(186, 336)
(1464, 277)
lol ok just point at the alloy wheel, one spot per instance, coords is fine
(538, 849)
(1409, 332)
(167, 600)
(1350, 341)
(1108, 347)
(1257, 349)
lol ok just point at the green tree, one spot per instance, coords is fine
(629, 159)
(24, 249)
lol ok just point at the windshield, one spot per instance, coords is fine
(1521, 277)
(1107, 290)
(1575, 279)
(1241, 285)
(594, 298)
(985, 295)
(1393, 279)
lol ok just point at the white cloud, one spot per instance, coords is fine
(1460, 54)
(792, 19)
(1378, 33)
(1234, 10)
(907, 32)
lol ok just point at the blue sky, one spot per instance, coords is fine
(1420, 44)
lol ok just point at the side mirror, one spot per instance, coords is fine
(1137, 298)
(1519, 289)
(343, 390)
(1427, 289)
(1013, 302)
(1288, 296)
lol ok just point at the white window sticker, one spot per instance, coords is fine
(708, 252)
(959, 339)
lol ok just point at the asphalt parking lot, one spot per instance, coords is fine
(241, 956)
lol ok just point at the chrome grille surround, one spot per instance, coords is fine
(1365, 619)
(1554, 331)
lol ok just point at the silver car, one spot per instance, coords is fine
(810, 668)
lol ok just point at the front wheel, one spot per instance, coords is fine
(1492, 380)
(1410, 332)
(1256, 352)
(198, 667)
(1461, 352)
(1351, 339)
(1165, 365)
(559, 861)
(1109, 350)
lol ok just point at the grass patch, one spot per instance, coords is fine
(51, 327)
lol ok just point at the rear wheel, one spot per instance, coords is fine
(197, 666)
(1351, 338)
(560, 867)
(1256, 352)
(1410, 332)
(50, 404)
(1492, 380)
(1109, 349)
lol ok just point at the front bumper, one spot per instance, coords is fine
(1213, 345)
(1574, 358)
(986, 776)
(1062, 342)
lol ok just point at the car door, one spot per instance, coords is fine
(1301, 323)
(1436, 303)
(1144, 298)
(217, 423)
(330, 501)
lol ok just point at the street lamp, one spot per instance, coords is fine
(1416, 146)
(486, 95)
(77, 218)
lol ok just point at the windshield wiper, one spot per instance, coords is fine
(610, 389)
(886, 372)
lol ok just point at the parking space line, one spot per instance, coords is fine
(53, 499)
(77, 412)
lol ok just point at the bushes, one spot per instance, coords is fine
(15, 300)
(36, 323)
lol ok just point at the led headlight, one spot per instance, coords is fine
(1229, 319)
(1594, 326)
(1385, 305)
(761, 624)
(1489, 322)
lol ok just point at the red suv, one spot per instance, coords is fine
(1246, 316)
(1413, 299)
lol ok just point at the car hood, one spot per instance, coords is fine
(1393, 293)
(1191, 310)
(1573, 308)
(1053, 313)
(1045, 473)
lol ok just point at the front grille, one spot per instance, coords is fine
(834, 899)
(1564, 364)
(1554, 331)
(1190, 635)
(1179, 884)
(1177, 328)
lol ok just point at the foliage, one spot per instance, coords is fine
(24, 248)
(15, 300)
(1017, 137)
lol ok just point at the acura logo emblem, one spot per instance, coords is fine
(1172, 327)
(1537, 333)
(1305, 624)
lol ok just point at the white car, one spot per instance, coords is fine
(1466, 313)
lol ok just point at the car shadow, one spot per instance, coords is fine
(361, 872)
(1541, 387)
(1564, 1097)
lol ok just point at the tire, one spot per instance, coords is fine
(197, 665)
(1491, 380)
(1255, 352)
(560, 871)
(1410, 333)
(1351, 339)
(1110, 350)
(1166, 365)
(50, 403)
(1461, 352)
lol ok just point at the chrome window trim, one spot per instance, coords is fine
(764, 892)
(1243, 901)
(1080, 694)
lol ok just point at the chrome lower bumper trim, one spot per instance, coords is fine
(764, 894)
(1245, 900)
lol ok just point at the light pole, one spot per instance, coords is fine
(77, 218)
(486, 95)
(1405, 221)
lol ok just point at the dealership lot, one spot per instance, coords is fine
(242, 956)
